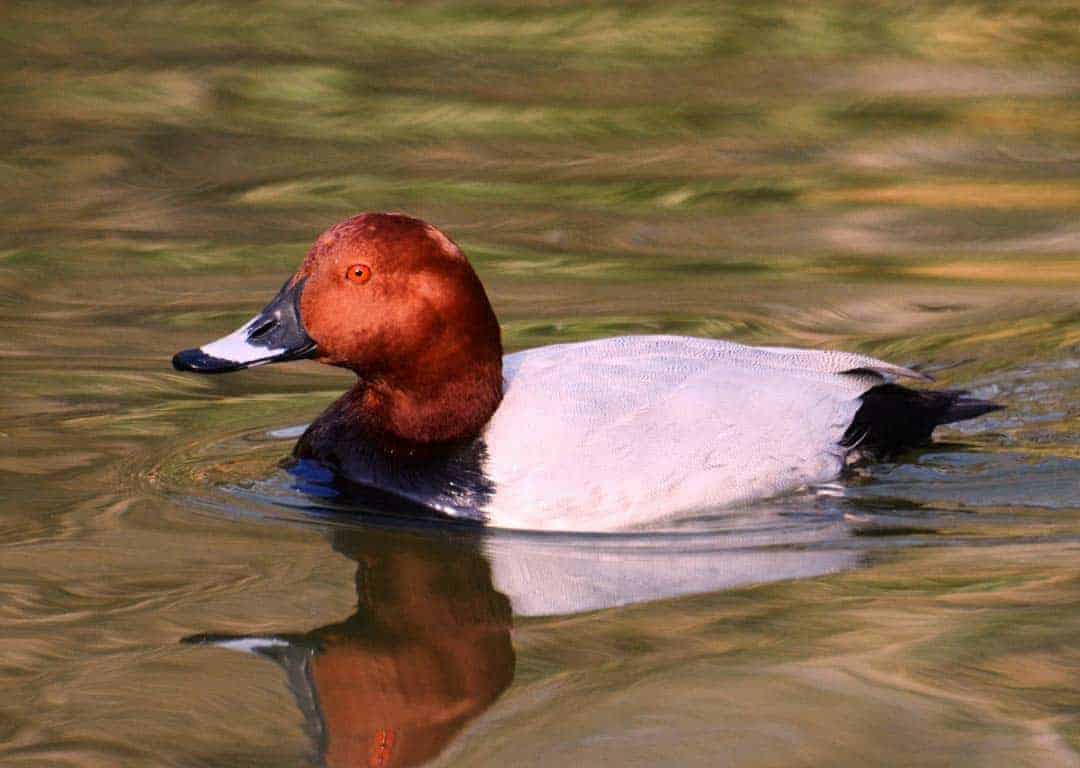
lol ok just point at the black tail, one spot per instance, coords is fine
(893, 418)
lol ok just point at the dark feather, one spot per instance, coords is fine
(893, 418)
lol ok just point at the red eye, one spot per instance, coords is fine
(358, 273)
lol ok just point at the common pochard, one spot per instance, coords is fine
(597, 435)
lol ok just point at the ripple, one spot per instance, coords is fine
(838, 527)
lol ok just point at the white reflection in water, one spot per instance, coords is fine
(543, 578)
(565, 573)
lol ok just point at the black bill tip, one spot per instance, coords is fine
(197, 361)
(275, 335)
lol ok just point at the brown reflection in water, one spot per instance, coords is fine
(427, 650)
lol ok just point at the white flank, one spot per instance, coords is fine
(619, 432)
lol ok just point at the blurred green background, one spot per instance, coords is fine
(901, 179)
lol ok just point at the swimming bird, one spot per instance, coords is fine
(597, 435)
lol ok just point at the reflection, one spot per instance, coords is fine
(560, 574)
(427, 650)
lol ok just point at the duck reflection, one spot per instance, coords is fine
(558, 575)
(427, 650)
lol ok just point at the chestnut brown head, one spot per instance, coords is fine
(386, 294)
(391, 298)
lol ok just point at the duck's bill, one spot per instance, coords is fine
(275, 335)
(265, 645)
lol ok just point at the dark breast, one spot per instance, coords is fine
(447, 479)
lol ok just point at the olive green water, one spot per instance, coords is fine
(897, 179)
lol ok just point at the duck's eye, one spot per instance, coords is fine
(358, 273)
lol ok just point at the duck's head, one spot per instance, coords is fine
(391, 298)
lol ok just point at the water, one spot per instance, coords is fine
(896, 181)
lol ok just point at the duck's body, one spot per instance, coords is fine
(592, 436)
(622, 431)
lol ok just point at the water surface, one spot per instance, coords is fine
(901, 182)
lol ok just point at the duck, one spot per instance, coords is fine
(607, 434)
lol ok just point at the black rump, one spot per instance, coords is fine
(893, 418)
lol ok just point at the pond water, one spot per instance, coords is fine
(903, 182)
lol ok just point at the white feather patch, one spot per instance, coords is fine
(251, 644)
(236, 348)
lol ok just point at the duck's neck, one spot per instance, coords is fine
(421, 412)
(416, 416)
